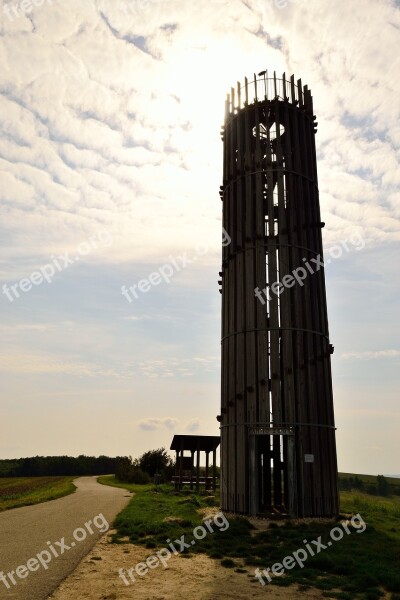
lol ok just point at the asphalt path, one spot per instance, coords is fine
(71, 525)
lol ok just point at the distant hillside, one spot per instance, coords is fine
(392, 479)
(42, 466)
(376, 485)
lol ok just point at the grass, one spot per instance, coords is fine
(378, 505)
(361, 566)
(157, 514)
(23, 491)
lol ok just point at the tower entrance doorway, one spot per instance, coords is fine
(272, 485)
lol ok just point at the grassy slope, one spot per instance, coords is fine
(23, 491)
(359, 566)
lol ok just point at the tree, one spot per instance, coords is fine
(344, 484)
(156, 461)
(371, 489)
(382, 486)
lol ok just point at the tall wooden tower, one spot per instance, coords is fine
(278, 450)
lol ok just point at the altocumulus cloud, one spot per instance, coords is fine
(193, 425)
(152, 424)
(101, 129)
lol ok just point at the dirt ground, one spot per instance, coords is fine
(197, 577)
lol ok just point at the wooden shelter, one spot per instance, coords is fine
(186, 470)
(278, 452)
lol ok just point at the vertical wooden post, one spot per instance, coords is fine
(214, 475)
(191, 469)
(253, 477)
(198, 468)
(181, 466)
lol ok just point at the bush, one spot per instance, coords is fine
(228, 563)
(351, 483)
(136, 475)
(129, 472)
(344, 484)
(382, 485)
(144, 468)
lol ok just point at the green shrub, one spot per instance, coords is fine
(382, 485)
(228, 563)
(131, 473)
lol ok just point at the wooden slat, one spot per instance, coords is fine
(292, 89)
(266, 85)
(232, 316)
(276, 408)
(260, 387)
(286, 268)
(240, 418)
(300, 93)
(311, 400)
(294, 233)
(250, 300)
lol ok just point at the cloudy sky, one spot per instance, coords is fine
(110, 164)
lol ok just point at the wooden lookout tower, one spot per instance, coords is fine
(278, 449)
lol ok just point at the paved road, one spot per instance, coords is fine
(24, 533)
